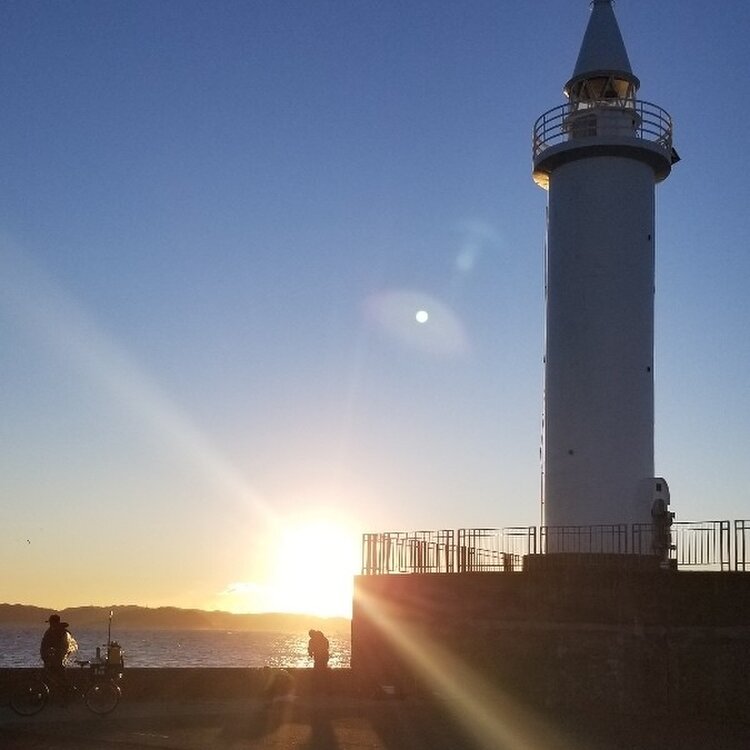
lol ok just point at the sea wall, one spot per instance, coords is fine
(205, 683)
(574, 637)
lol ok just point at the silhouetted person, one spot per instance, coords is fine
(57, 643)
(317, 648)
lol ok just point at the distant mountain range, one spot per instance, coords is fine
(133, 617)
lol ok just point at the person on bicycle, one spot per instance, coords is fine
(57, 643)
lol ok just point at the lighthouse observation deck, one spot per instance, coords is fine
(578, 129)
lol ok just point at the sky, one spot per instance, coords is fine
(218, 223)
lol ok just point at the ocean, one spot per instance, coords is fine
(19, 647)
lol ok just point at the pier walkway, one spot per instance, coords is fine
(338, 722)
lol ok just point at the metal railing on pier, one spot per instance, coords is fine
(601, 538)
(408, 552)
(742, 545)
(687, 545)
(495, 549)
(701, 545)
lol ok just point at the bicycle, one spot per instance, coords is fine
(98, 689)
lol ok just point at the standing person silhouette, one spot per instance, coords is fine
(56, 644)
(317, 649)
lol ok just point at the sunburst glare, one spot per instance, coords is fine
(489, 715)
(314, 569)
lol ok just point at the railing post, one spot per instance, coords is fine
(739, 545)
(725, 545)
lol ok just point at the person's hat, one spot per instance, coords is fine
(55, 620)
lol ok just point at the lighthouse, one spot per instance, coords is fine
(599, 156)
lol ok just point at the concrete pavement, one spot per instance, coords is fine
(339, 722)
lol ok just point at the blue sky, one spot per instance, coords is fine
(217, 221)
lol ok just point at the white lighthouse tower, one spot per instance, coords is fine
(599, 156)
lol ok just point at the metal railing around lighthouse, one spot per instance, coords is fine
(445, 551)
(494, 549)
(741, 545)
(704, 545)
(601, 538)
(614, 118)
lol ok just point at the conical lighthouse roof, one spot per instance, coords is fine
(602, 50)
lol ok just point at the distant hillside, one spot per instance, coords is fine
(133, 617)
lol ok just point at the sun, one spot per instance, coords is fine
(315, 565)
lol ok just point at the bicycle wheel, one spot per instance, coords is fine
(102, 697)
(29, 697)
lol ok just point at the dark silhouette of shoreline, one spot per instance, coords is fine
(135, 617)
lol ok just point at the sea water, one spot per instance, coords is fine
(19, 647)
